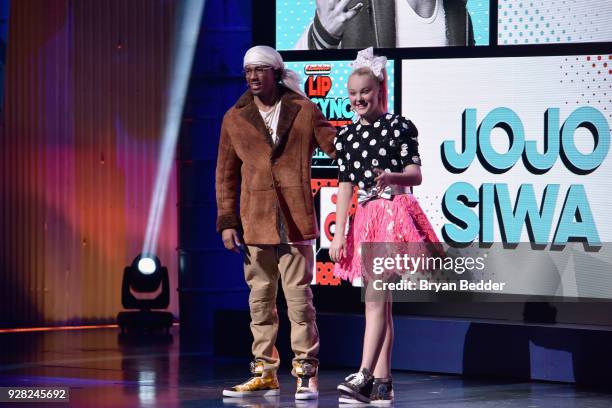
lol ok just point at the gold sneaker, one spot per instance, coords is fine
(307, 380)
(263, 383)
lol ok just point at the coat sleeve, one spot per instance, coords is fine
(324, 132)
(227, 179)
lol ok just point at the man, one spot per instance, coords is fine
(388, 24)
(267, 141)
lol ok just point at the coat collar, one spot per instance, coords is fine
(289, 110)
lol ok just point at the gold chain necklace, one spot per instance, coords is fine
(268, 117)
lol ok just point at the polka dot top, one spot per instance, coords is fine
(390, 144)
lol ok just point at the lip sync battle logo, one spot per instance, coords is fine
(318, 86)
(575, 222)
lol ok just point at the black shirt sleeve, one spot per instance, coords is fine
(341, 155)
(409, 144)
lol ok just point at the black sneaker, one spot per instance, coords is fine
(382, 391)
(357, 386)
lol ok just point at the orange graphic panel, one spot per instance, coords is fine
(325, 275)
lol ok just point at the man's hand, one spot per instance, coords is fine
(231, 240)
(333, 15)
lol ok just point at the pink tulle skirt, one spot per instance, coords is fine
(400, 219)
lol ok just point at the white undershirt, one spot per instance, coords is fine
(270, 119)
(413, 30)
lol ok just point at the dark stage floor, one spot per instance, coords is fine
(103, 370)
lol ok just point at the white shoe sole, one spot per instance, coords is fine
(352, 401)
(242, 394)
(349, 400)
(350, 394)
(382, 403)
(306, 395)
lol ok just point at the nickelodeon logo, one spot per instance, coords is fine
(317, 69)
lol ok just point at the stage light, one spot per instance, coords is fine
(146, 276)
(145, 287)
(147, 265)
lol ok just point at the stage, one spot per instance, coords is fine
(137, 136)
(103, 369)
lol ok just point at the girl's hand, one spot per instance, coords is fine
(337, 248)
(382, 179)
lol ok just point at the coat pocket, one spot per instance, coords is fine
(245, 199)
(307, 191)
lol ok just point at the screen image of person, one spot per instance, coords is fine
(388, 24)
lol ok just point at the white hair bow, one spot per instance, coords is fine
(366, 59)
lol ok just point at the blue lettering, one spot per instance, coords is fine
(456, 202)
(506, 119)
(593, 120)
(576, 207)
(540, 163)
(526, 212)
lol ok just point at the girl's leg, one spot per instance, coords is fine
(376, 328)
(382, 368)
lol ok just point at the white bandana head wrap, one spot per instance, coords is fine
(367, 59)
(264, 55)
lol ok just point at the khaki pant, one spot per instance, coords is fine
(293, 264)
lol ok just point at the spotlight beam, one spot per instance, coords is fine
(185, 44)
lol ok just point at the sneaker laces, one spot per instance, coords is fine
(303, 383)
(254, 367)
(305, 369)
(308, 369)
(356, 379)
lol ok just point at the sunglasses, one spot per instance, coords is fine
(259, 70)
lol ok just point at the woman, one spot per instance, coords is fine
(378, 154)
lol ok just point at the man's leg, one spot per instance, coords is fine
(296, 264)
(261, 274)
